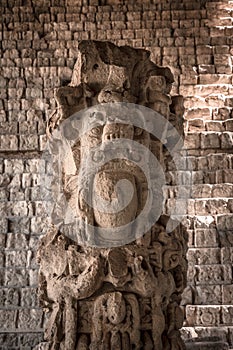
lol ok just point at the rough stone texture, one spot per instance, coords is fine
(112, 297)
(213, 343)
(38, 51)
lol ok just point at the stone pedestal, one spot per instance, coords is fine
(114, 282)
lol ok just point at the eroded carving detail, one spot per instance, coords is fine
(124, 297)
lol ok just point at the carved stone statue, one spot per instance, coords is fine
(125, 296)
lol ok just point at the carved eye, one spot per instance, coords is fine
(96, 131)
(138, 131)
(115, 128)
(98, 116)
(96, 66)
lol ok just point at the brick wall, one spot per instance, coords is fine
(39, 40)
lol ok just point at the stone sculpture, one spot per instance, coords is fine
(123, 297)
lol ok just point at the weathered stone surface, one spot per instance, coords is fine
(36, 56)
(106, 297)
(214, 343)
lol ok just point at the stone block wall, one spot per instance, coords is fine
(38, 41)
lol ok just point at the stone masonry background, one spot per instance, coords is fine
(39, 40)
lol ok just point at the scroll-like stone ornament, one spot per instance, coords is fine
(126, 296)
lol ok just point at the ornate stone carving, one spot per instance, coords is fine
(121, 297)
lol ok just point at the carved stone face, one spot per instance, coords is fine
(105, 181)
